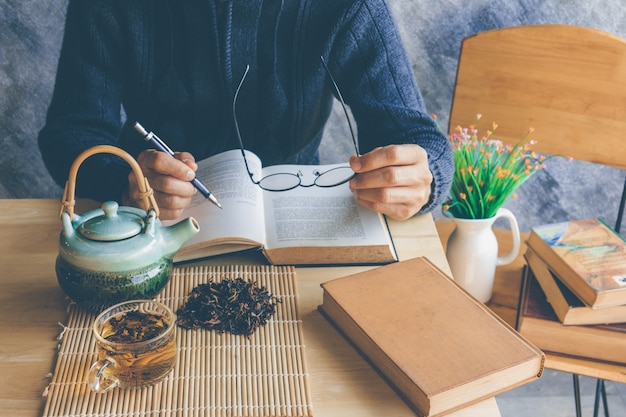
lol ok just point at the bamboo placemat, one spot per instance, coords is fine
(215, 374)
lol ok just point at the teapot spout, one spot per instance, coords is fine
(177, 234)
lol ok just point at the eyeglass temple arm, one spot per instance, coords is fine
(237, 132)
(343, 105)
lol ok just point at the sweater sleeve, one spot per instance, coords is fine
(379, 85)
(86, 105)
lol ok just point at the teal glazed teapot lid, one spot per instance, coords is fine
(113, 225)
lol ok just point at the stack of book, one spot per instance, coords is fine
(573, 298)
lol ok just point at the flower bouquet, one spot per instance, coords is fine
(487, 171)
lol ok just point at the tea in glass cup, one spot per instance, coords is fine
(136, 345)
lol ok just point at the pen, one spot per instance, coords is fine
(162, 146)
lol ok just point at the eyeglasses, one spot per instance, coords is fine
(284, 181)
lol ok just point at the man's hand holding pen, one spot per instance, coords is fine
(170, 179)
(172, 176)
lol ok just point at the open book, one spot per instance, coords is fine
(303, 226)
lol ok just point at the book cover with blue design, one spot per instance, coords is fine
(588, 256)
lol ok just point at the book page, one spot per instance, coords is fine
(241, 214)
(319, 216)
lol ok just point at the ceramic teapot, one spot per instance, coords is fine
(116, 253)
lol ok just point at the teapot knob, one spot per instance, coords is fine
(110, 208)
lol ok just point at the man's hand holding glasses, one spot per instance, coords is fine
(394, 180)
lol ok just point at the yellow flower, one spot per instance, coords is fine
(501, 173)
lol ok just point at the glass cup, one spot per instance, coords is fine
(136, 345)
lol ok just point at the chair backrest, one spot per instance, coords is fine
(566, 82)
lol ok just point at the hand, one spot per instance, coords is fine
(169, 178)
(394, 180)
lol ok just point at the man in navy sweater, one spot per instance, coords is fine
(174, 66)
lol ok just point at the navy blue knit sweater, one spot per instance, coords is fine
(174, 65)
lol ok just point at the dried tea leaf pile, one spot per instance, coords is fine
(231, 305)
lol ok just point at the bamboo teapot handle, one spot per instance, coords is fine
(147, 194)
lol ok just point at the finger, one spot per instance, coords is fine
(394, 195)
(397, 211)
(167, 175)
(393, 176)
(167, 214)
(187, 159)
(167, 184)
(390, 155)
(152, 161)
(399, 203)
(170, 205)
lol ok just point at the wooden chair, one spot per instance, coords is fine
(569, 84)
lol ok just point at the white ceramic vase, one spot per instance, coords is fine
(472, 253)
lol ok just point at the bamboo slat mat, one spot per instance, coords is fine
(215, 374)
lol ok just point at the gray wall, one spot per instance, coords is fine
(30, 38)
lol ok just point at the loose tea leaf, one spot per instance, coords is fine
(134, 326)
(232, 305)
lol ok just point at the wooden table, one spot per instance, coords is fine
(32, 305)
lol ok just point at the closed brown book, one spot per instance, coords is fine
(540, 325)
(566, 305)
(588, 256)
(439, 347)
